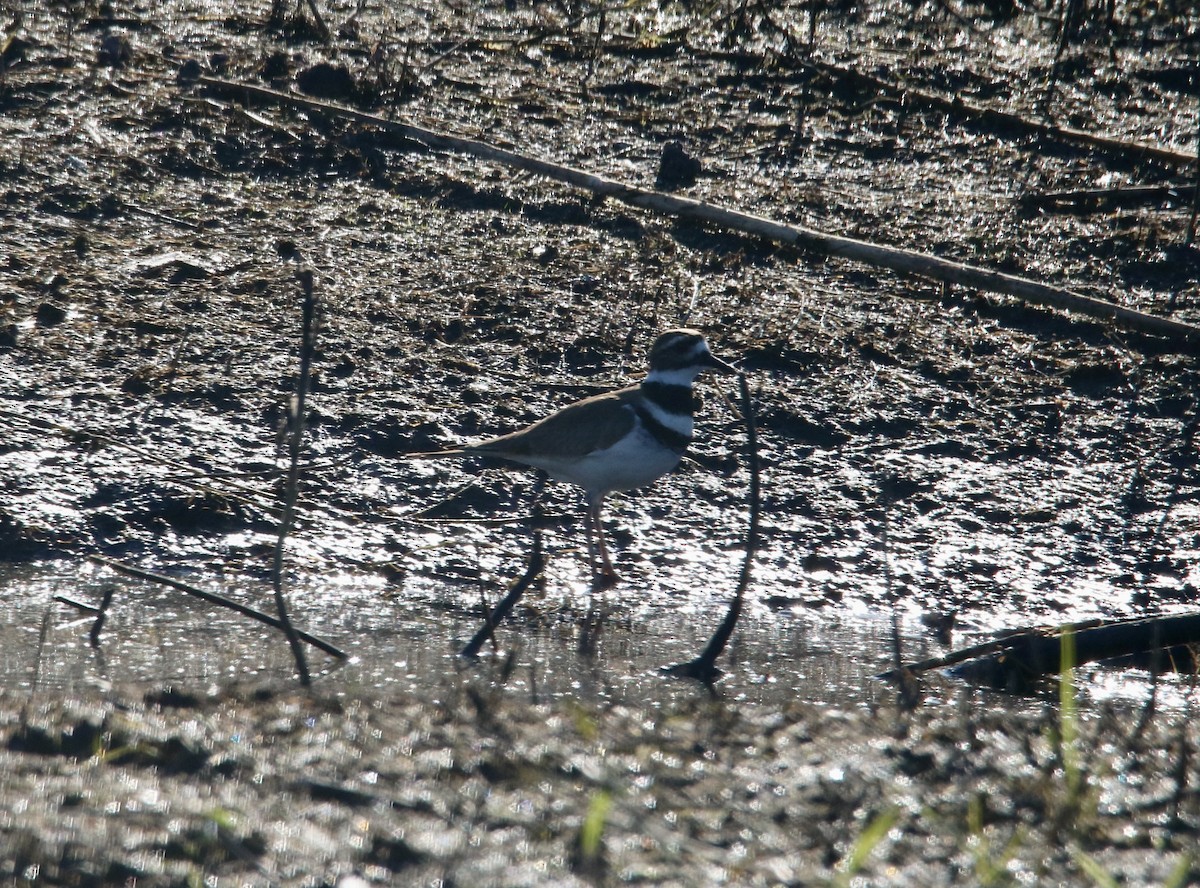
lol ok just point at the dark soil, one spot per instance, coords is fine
(937, 450)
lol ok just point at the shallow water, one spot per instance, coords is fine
(156, 637)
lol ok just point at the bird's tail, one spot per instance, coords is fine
(435, 454)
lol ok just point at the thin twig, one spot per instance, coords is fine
(537, 560)
(292, 489)
(101, 616)
(895, 258)
(89, 609)
(214, 598)
(704, 668)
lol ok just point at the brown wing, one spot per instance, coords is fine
(591, 424)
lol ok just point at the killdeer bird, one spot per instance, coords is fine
(615, 441)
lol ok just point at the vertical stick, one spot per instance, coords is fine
(101, 616)
(704, 668)
(291, 491)
(537, 560)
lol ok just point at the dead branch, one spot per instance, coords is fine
(956, 105)
(910, 95)
(894, 258)
(704, 668)
(1006, 120)
(291, 491)
(214, 598)
(537, 560)
(1022, 657)
(1090, 200)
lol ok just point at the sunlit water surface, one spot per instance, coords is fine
(156, 637)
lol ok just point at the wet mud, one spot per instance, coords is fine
(958, 459)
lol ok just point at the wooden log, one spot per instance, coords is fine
(1020, 659)
(894, 258)
(1090, 200)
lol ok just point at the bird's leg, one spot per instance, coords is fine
(591, 538)
(602, 579)
(606, 573)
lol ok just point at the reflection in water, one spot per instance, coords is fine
(156, 637)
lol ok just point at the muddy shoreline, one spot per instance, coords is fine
(961, 460)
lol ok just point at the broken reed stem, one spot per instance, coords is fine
(214, 598)
(292, 489)
(537, 560)
(907, 692)
(101, 617)
(704, 668)
(322, 28)
(897, 259)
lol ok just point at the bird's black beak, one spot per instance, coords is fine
(715, 363)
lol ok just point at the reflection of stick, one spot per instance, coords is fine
(214, 598)
(292, 489)
(704, 668)
(895, 258)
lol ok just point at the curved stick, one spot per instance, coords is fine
(704, 668)
(214, 598)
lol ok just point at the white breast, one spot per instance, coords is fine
(634, 461)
